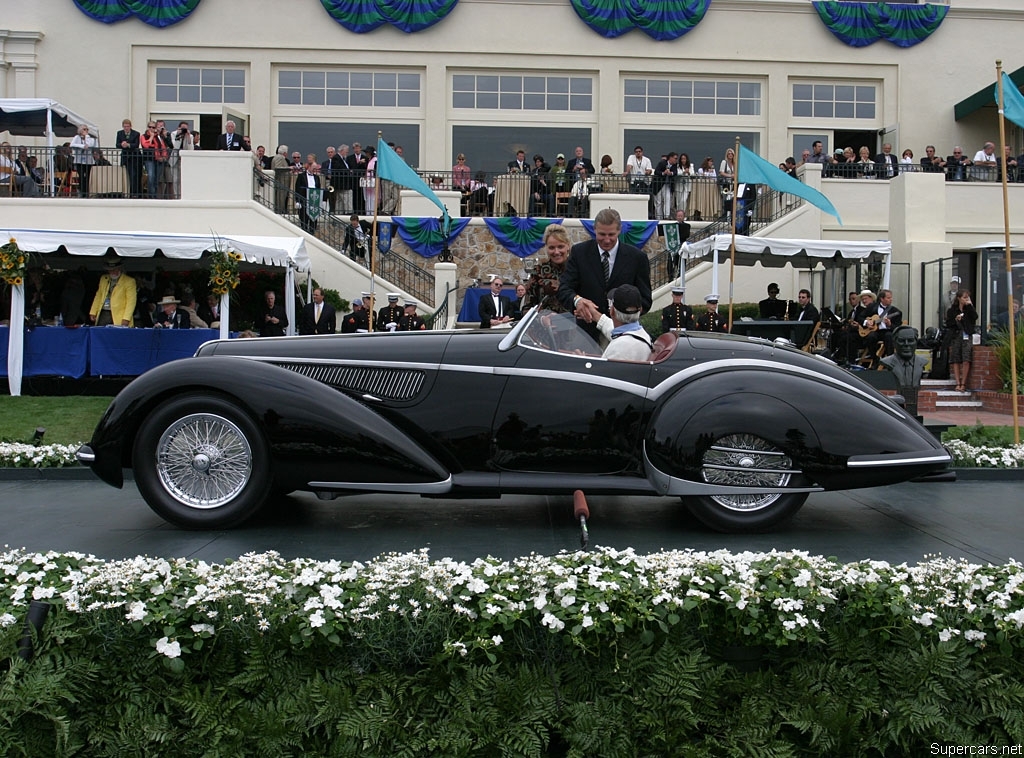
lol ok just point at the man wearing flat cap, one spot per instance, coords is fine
(677, 317)
(629, 341)
(712, 320)
(115, 297)
(357, 320)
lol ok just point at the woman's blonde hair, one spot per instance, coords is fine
(556, 230)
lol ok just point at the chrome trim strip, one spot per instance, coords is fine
(412, 488)
(653, 394)
(85, 454)
(898, 459)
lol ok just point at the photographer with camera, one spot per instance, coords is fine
(182, 139)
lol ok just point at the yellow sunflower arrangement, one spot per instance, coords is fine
(13, 263)
(223, 270)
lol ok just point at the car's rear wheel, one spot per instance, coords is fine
(201, 463)
(749, 461)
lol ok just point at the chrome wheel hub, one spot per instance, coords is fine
(203, 460)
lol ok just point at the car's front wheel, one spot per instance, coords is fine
(201, 463)
(749, 461)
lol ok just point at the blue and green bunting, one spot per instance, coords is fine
(361, 16)
(424, 235)
(519, 235)
(861, 24)
(635, 233)
(659, 19)
(158, 13)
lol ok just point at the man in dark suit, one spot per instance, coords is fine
(229, 140)
(889, 165)
(318, 317)
(495, 309)
(771, 306)
(272, 320)
(580, 161)
(597, 266)
(131, 157)
(803, 309)
(171, 316)
(518, 166)
(684, 234)
(308, 179)
(357, 170)
(956, 165)
(330, 169)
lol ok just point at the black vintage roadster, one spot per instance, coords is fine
(741, 429)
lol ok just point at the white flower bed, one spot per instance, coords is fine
(773, 598)
(21, 455)
(986, 457)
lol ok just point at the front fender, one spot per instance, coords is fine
(315, 432)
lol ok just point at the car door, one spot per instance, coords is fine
(564, 412)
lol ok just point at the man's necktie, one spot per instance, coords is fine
(318, 307)
(606, 265)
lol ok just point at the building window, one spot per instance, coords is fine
(856, 101)
(692, 97)
(354, 89)
(522, 92)
(200, 85)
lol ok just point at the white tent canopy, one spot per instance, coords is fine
(285, 252)
(775, 252)
(40, 117)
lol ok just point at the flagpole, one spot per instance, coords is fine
(732, 243)
(373, 232)
(1011, 321)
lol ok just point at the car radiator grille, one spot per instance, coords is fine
(384, 383)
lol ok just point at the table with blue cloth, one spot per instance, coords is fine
(50, 351)
(470, 310)
(130, 352)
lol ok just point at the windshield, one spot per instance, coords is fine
(557, 332)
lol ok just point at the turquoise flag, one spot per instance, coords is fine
(753, 169)
(1013, 101)
(391, 166)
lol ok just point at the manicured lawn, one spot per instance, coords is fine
(67, 420)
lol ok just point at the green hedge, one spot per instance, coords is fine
(588, 654)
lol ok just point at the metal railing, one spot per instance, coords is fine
(331, 229)
(99, 172)
(440, 316)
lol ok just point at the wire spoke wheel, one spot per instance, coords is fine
(204, 460)
(746, 460)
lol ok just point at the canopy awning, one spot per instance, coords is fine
(263, 251)
(984, 97)
(775, 252)
(173, 251)
(28, 117)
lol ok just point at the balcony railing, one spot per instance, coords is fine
(102, 172)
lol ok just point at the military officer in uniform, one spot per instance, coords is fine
(678, 316)
(357, 320)
(712, 321)
(389, 316)
(411, 321)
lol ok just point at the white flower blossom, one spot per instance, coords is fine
(170, 649)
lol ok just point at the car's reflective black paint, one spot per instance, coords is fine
(486, 413)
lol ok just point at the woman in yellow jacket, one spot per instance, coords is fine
(115, 297)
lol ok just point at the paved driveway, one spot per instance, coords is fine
(977, 520)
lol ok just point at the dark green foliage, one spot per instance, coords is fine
(981, 436)
(99, 689)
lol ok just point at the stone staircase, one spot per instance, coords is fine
(946, 395)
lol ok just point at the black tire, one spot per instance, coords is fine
(201, 463)
(751, 461)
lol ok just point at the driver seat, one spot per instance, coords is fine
(664, 346)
